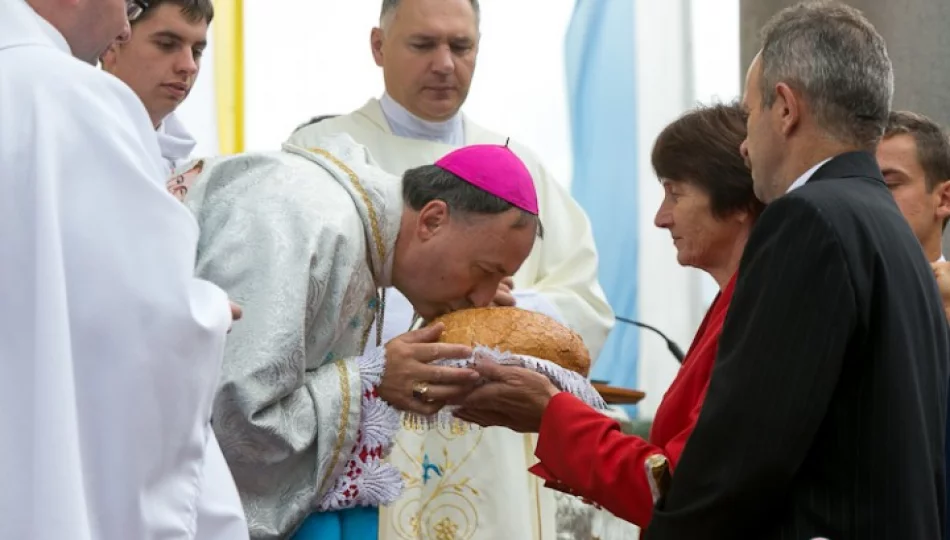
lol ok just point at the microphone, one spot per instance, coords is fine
(670, 344)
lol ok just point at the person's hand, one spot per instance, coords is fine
(942, 274)
(409, 383)
(236, 313)
(513, 397)
(503, 296)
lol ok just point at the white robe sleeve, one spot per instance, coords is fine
(109, 347)
(532, 300)
(292, 411)
(220, 514)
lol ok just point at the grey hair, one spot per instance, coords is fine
(838, 60)
(388, 9)
(428, 183)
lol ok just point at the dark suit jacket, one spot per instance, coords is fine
(826, 411)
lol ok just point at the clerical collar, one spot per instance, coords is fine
(405, 124)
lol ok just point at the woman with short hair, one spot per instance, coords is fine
(709, 209)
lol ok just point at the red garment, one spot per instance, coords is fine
(584, 453)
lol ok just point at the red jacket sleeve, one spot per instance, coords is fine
(584, 452)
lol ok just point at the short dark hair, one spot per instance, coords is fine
(195, 11)
(701, 147)
(933, 143)
(427, 183)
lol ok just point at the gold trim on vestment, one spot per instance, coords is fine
(344, 424)
(378, 315)
(373, 218)
(405, 519)
(380, 309)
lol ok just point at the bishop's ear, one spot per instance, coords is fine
(433, 219)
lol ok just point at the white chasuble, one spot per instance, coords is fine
(110, 349)
(475, 484)
(301, 239)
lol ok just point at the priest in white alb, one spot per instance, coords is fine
(110, 349)
(160, 62)
(473, 484)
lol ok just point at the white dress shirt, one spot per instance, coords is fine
(801, 180)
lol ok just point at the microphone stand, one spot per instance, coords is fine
(670, 344)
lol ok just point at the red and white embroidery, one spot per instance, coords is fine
(366, 480)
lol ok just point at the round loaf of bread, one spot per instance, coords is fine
(517, 331)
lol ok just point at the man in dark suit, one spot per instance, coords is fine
(825, 415)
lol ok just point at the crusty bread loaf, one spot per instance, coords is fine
(517, 331)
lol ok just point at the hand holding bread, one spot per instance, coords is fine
(411, 383)
(512, 396)
(523, 358)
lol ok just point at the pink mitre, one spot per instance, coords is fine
(495, 169)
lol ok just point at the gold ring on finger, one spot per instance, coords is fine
(419, 391)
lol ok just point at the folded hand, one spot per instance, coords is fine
(236, 313)
(513, 397)
(411, 384)
(942, 274)
(504, 297)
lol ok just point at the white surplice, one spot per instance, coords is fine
(110, 349)
(475, 484)
(174, 141)
(220, 513)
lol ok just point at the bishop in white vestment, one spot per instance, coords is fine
(475, 484)
(110, 348)
(304, 240)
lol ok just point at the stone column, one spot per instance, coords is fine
(918, 40)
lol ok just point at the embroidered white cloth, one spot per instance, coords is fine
(565, 379)
(367, 480)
